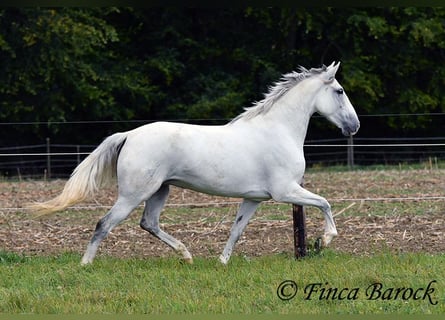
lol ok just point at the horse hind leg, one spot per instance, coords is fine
(120, 211)
(150, 222)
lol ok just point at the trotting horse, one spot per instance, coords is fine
(257, 156)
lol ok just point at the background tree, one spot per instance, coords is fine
(76, 64)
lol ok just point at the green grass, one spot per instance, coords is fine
(58, 284)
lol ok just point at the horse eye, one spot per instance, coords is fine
(339, 91)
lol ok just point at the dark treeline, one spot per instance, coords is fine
(112, 64)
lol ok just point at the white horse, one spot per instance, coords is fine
(257, 156)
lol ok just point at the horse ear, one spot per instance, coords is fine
(331, 70)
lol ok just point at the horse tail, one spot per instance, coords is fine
(98, 169)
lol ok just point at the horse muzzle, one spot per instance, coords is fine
(350, 128)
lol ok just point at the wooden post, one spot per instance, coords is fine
(350, 152)
(78, 154)
(299, 231)
(299, 217)
(48, 158)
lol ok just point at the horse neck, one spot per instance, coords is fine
(293, 111)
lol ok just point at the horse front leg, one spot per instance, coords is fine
(243, 216)
(300, 196)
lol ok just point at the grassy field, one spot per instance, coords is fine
(389, 257)
(327, 283)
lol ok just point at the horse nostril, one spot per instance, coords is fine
(357, 127)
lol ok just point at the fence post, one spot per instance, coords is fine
(48, 158)
(78, 154)
(350, 152)
(299, 227)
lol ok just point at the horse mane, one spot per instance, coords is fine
(277, 90)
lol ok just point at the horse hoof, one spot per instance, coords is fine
(85, 261)
(223, 260)
(327, 238)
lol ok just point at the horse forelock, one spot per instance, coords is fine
(277, 90)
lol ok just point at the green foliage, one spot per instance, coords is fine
(401, 53)
(49, 60)
(68, 64)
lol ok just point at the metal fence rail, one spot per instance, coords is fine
(58, 160)
(367, 151)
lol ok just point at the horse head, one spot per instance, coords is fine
(333, 103)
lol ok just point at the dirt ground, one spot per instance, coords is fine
(365, 226)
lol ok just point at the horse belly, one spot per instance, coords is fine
(249, 193)
(220, 179)
(219, 171)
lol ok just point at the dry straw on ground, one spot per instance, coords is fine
(365, 226)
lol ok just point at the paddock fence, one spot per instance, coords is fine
(371, 151)
(49, 160)
(375, 144)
